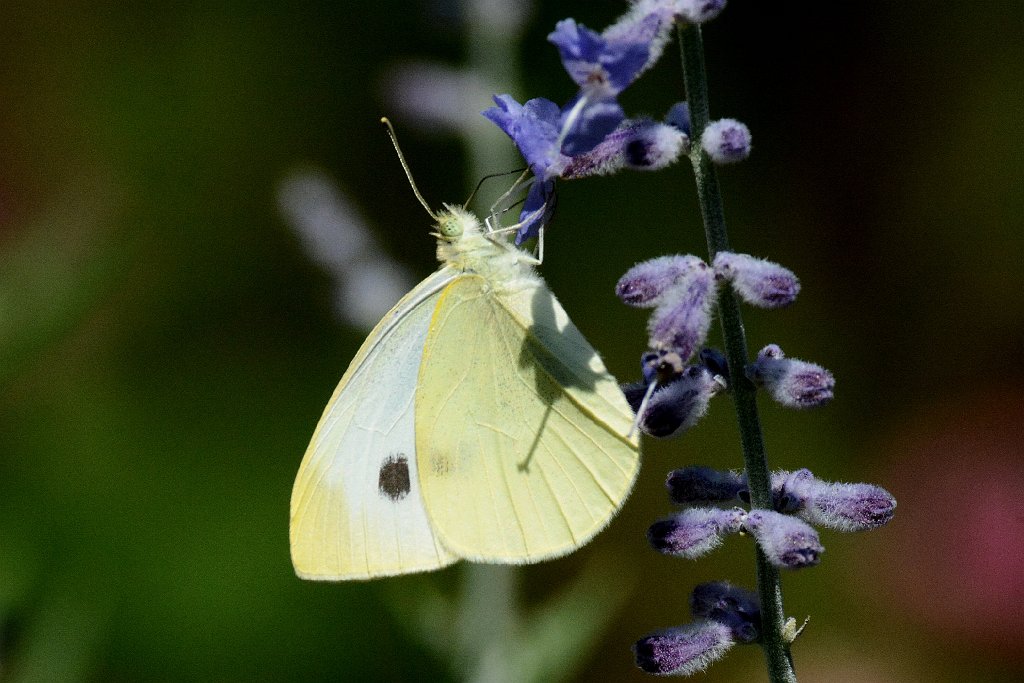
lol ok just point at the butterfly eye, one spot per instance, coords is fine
(449, 226)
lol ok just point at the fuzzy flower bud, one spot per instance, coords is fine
(849, 507)
(683, 650)
(645, 284)
(694, 532)
(792, 490)
(786, 541)
(726, 141)
(726, 604)
(637, 144)
(699, 11)
(697, 484)
(791, 382)
(677, 407)
(758, 282)
(683, 317)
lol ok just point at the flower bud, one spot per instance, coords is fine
(645, 284)
(698, 484)
(791, 382)
(791, 490)
(675, 408)
(726, 141)
(758, 282)
(683, 650)
(679, 116)
(714, 360)
(786, 541)
(699, 11)
(737, 608)
(694, 532)
(683, 316)
(849, 507)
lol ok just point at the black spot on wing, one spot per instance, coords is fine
(393, 482)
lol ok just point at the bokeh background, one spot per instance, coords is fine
(200, 216)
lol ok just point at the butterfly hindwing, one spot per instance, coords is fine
(357, 510)
(521, 441)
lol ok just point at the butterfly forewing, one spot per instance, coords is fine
(521, 444)
(357, 509)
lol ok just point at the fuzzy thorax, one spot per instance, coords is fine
(462, 244)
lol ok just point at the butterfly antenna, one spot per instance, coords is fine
(405, 167)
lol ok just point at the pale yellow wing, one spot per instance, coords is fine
(520, 430)
(356, 508)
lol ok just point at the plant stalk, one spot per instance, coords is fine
(776, 649)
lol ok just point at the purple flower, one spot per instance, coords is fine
(604, 65)
(679, 405)
(791, 382)
(683, 650)
(534, 127)
(786, 541)
(759, 282)
(696, 484)
(645, 284)
(726, 141)
(683, 316)
(694, 532)
(734, 607)
(849, 507)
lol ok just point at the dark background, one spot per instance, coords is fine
(167, 343)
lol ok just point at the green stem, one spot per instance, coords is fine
(776, 649)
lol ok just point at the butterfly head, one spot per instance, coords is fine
(454, 222)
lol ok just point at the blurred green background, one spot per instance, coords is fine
(168, 337)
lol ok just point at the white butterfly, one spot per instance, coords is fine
(475, 422)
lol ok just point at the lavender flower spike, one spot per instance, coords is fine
(849, 507)
(791, 382)
(696, 484)
(694, 532)
(683, 650)
(726, 141)
(683, 317)
(645, 284)
(758, 282)
(786, 541)
(677, 407)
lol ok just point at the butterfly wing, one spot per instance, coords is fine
(520, 430)
(356, 508)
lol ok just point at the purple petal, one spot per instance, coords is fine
(534, 127)
(587, 121)
(537, 209)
